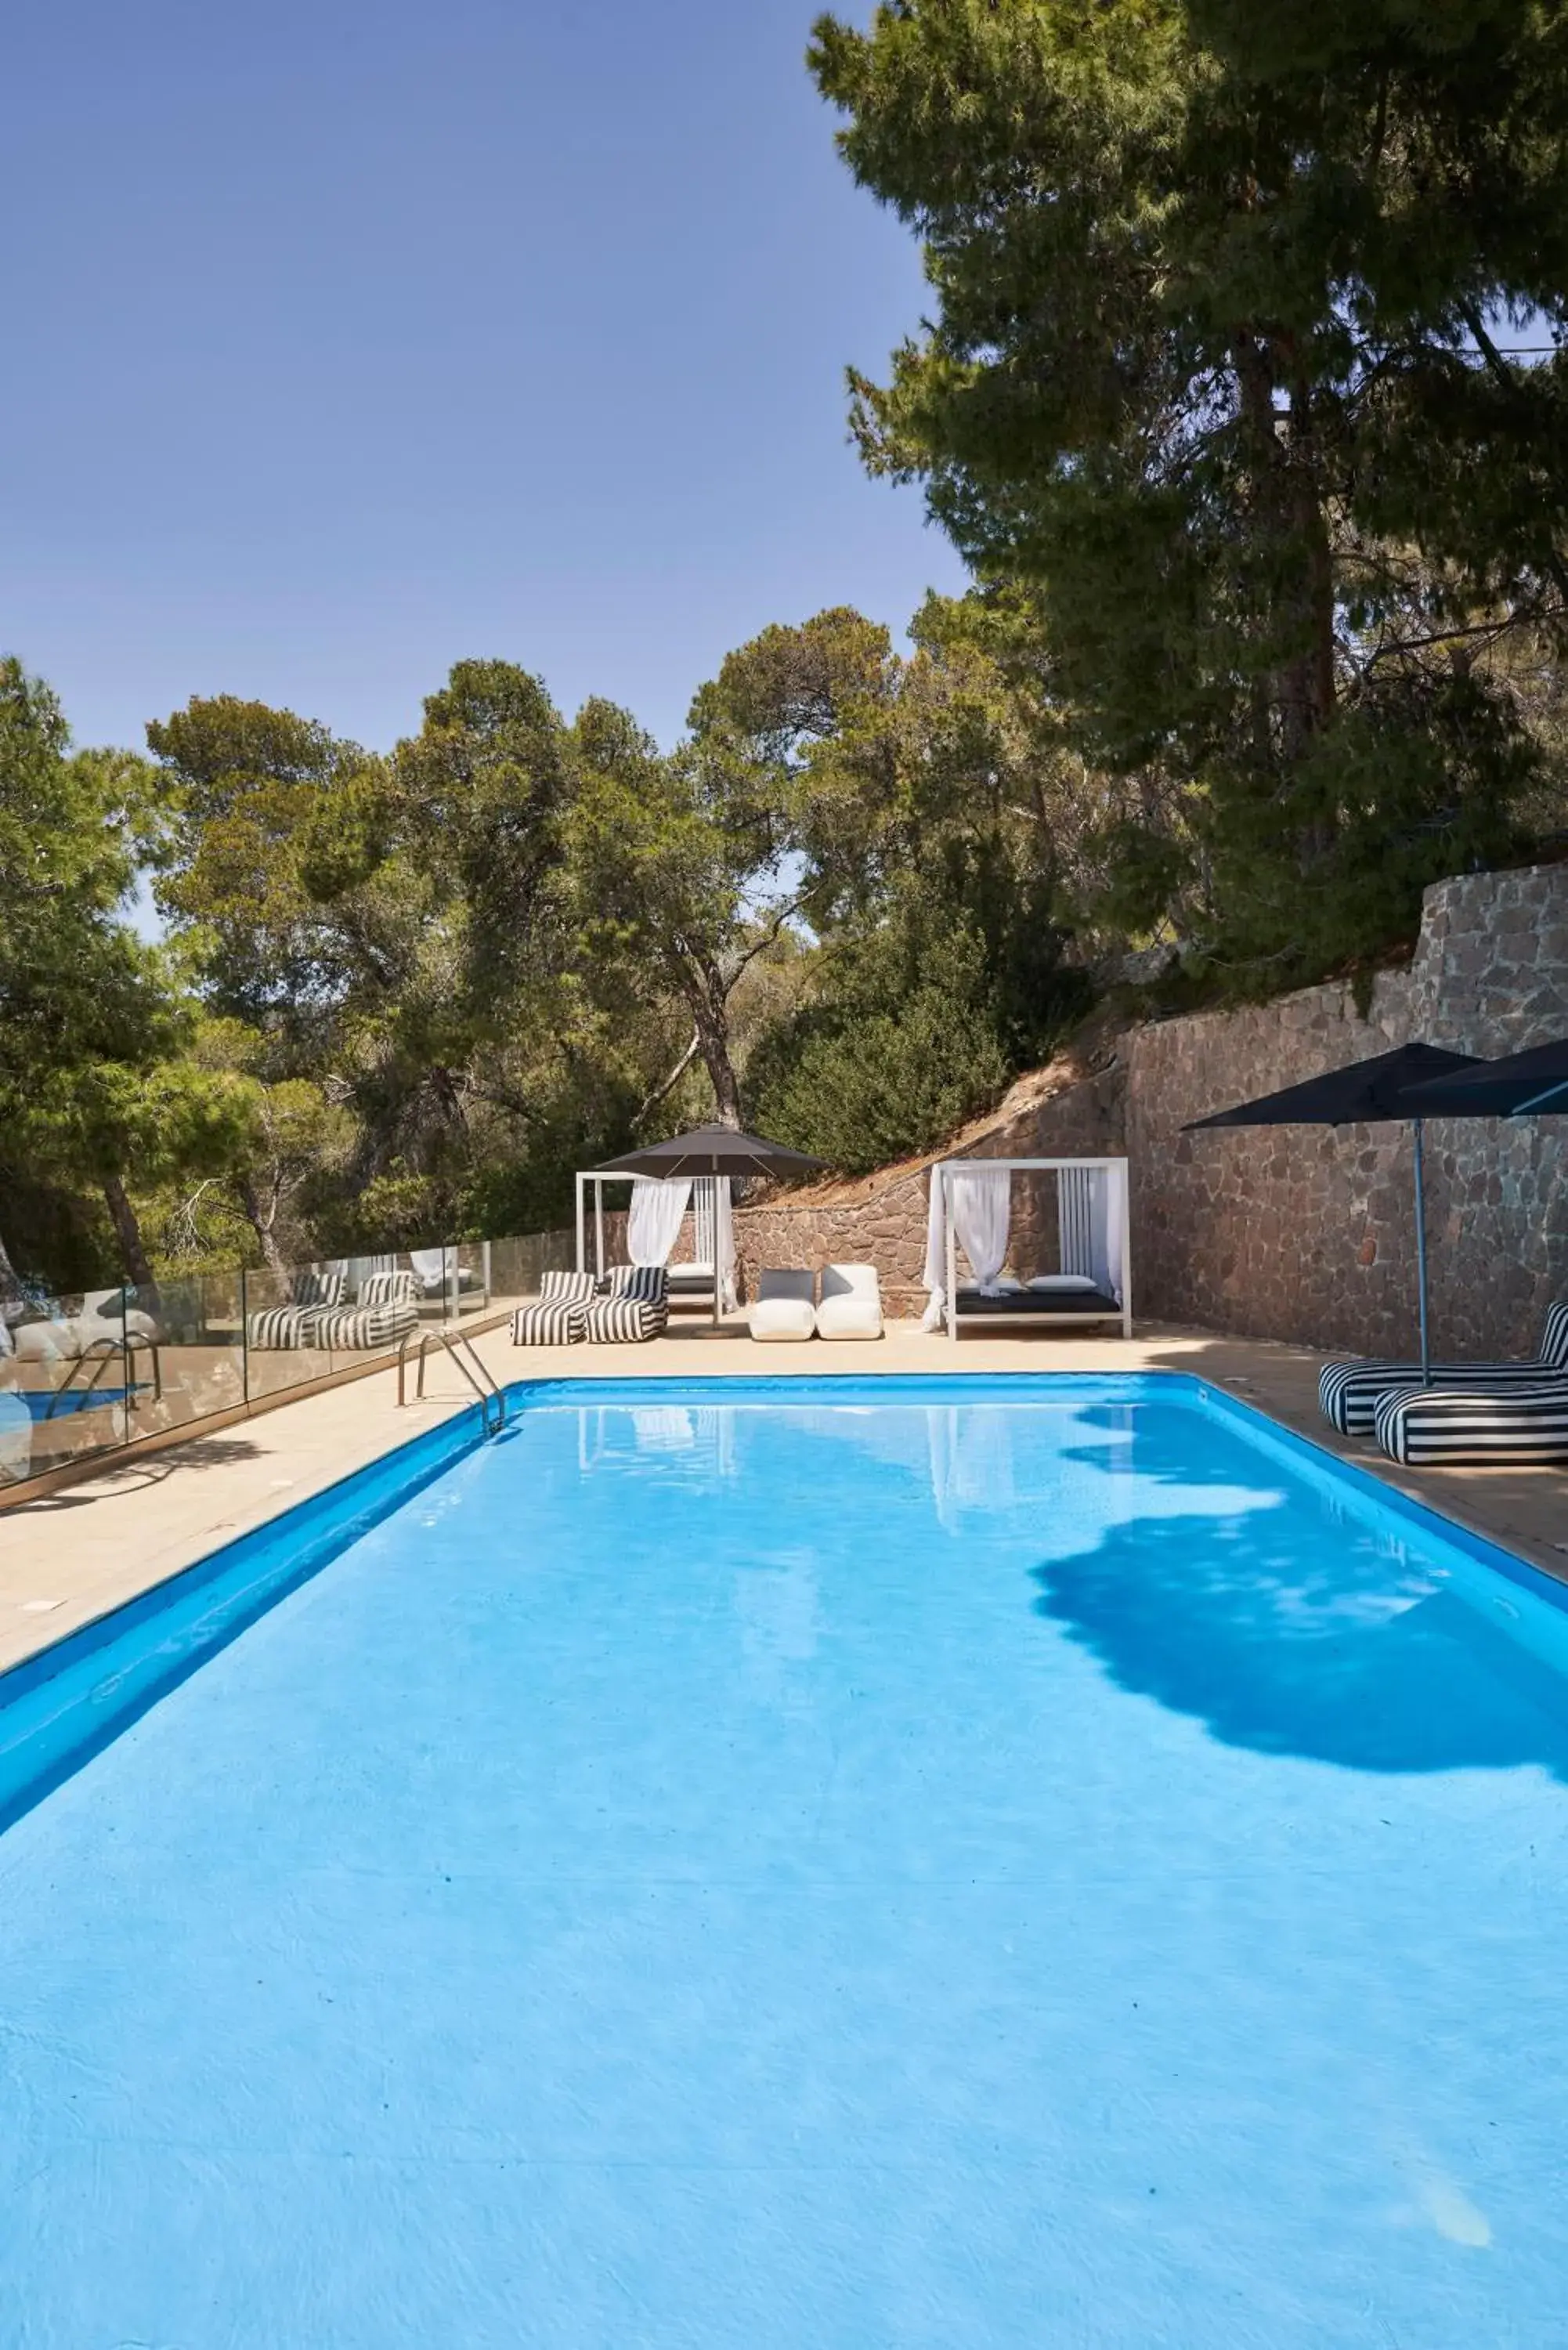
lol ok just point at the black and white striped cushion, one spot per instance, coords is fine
(1436, 1428)
(557, 1319)
(1554, 1339)
(566, 1289)
(623, 1321)
(357, 1326)
(276, 1327)
(389, 1289)
(648, 1282)
(1350, 1393)
(311, 1288)
(554, 1321)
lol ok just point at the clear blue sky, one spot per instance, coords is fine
(347, 339)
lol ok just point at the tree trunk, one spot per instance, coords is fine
(713, 1044)
(10, 1286)
(263, 1227)
(128, 1233)
(707, 994)
(1288, 507)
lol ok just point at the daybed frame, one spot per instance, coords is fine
(687, 1284)
(1062, 1310)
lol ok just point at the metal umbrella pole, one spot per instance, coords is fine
(1417, 1129)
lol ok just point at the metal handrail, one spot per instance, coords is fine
(460, 1347)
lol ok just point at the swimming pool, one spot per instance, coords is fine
(951, 1862)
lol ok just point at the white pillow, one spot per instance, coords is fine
(1074, 1281)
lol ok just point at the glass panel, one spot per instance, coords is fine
(82, 1375)
(465, 1289)
(283, 1318)
(183, 1338)
(63, 1383)
(518, 1266)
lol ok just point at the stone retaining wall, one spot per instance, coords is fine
(1293, 1233)
(1308, 1234)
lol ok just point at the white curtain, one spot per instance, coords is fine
(658, 1212)
(1107, 1225)
(983, 1218)
(724, 1245)
(971, 1451)
(936, 1252)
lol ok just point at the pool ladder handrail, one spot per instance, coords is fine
(460, 1347)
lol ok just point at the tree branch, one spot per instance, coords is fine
(1447, 636)
(769, 938)
(671, 1081)
(1507, 380)
(499, 1099)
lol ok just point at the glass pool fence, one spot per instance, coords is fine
(88, 1373)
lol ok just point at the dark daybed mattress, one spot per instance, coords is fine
(1020, 1305)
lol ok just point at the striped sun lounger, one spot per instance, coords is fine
(393, 1289)
(557, 1317)
(312, 1289)
(357, 1328)
(1351, 1393)
(1438, 1429)
(275, 1327)
(637, 1307)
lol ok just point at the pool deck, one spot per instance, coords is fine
(73, 1555)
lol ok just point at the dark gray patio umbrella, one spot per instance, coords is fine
(1523, 1085)
(714, 1151)
(1374, 1092)
(711, 1153)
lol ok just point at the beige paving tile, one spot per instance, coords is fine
(68, 1557)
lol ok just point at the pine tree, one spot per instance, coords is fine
(1218, 366)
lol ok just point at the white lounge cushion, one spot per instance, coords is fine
(784, 1309)
(1068, 1282)
(64, 1340)
(851, 1302)
(46, 1342)
(782, 1318)
(434, 1270)
(137, 1327)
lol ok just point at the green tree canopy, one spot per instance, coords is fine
(1216, 367)
(87, 1011)
(675, 865)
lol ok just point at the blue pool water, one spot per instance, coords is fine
(1036, 1862)
(47, 1404)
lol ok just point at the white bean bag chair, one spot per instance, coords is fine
(63, 1340)
(108, 1306)
(67, 1337)
(783, 1310)
(851, 1304)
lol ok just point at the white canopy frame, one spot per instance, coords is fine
(719, 1215)
(1076, 1227)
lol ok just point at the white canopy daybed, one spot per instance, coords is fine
(653, 1225)
(970, 1208)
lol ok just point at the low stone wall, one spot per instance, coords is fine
(884, 1223)
(1295, 1232)
(1307, 1232)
